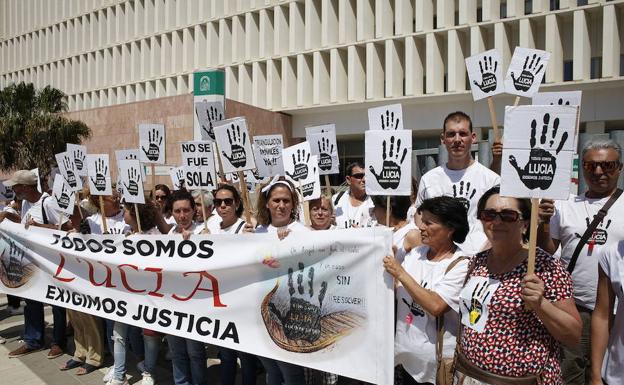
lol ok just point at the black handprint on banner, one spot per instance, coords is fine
(14, 269)
(207, 116)
(237, 157)
(463, 193)
(181, 180)
(63, 200)
(303, 319)
(79, 159)
(155, 140)
(300, 171)
(488, 78)
(133, 178)
(529, 70)
(325, 151)
(100, 175)
(389, 121)
(480, 294)
(390, 175)
(69, 170)
(539, 172)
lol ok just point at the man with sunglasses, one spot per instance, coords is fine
(353, 208)
(461, 177)
(564, 222)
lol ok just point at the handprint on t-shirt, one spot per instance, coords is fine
(237, 157)
(600, 235)
(155, 140)
(390, 173)
(464, 193)
(488, 78)
(539, 171)
(300, 171)
(100, 175)
(479, 296)
(325, 151)
(351, 223)
(69, 170)
(63, 200)
(530, 69)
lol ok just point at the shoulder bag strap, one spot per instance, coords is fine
(338, 197)
(44, 214)
(240, 226)
(592, 226)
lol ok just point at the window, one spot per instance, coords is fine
(595, 69)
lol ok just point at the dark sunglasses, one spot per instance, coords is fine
(506, 215)
(357, 176)
(227, 201)
(607, 167)
(160, 197)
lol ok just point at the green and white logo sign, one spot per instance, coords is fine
(208, 102)
(209, 83)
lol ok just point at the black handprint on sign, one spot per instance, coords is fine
(181, 180)
(390, 175)
(488, 78)
(539, 172)
(480, 294)
(529, 70)
(63, 200)
(325, 151)
(131, 157)
(237, 157)
(69, 170)
(561, 103)
(463, 193)
(389, 121)
(308, 188)
(9, 194)
(100, 175)
(303, 319)
(207, 116)
(79, 159)
(133, 177)
(155, 140)
(300, 171)
(14, 270)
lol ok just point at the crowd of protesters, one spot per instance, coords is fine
(467, 308)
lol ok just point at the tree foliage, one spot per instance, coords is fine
(32, 129)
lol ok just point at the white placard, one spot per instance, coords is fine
(537, 151)
(268, 155)
(152, 143)
(207, 114)
(563, 98)
(177, 177)
(131, 180)
(485, 72)
(234, 145)
(63, 199)
(129, 154)
(252, 178)
(98, 167)
(388, 162)
(68, 170)
(323, 144)
(526, 71)
(36, 172)
(302, 167)
(79, 154)
(6, 193)
(388, 117)
(198, 165)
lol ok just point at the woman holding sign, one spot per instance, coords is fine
(513, 322)
(428, 286)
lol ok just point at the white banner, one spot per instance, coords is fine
(317, 299)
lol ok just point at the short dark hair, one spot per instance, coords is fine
(524, 205)
(180, 195)
(353, 165)
(457, 116)
(147, 211)
(235, 194)
(451, 212)
(399, 204)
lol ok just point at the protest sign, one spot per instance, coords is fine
(198, 165)
(207, 114)
(323, 144)
(526, 71)
(177, 177)
(302, 167)
(129, 154)
(63, 199)
(67, 168)
(152, 143)
(268, 155)
(6, 193)
(234, 145)
(563, 98)
(388, 117)
(388, 162)
(78, 154)
(485, 72)
(208, 103)
(252, 178)
(36, 172)
(537, 151)
(129, 171)
(98, 167)
(323, 302)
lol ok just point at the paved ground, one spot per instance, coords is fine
(35, 368)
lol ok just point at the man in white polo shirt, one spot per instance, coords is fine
(353, 207)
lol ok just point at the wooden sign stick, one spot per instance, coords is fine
(493, 118)
(244, 193)
(104, 224)
(61, 218)
(388, 210)
(153, 166)
(201, 195)
(138, 218)
(516, 101)
(533, 235)
(327, 185)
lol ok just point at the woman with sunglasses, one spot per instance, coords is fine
(428, 285)
(161, 198)
(513, 322)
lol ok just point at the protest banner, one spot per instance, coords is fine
(78, 154)
(234, 145)
(525, 72)
(208, 103)
(485, 75)
(323, 302)
(177, 177)
(388, 164)
(388, 117)
(99, 180)
(268, 155)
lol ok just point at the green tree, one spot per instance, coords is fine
(32, 128)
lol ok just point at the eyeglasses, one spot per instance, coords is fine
(607, 166)
(160, 197)
(227, 201)
(358, 176)
(506, 215)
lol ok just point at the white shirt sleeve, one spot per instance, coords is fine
(53, 215)
(451, 284)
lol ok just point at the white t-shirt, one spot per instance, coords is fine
(236, 228)
(612, 263)
(214, 224)
(416, 334)
(411, 213)
(195, 228)
(398, 238)
(292, 226)
(33, 210)
(348, 215)
(568, 224)
(116, 224)
(470, 184)
(170, 220)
